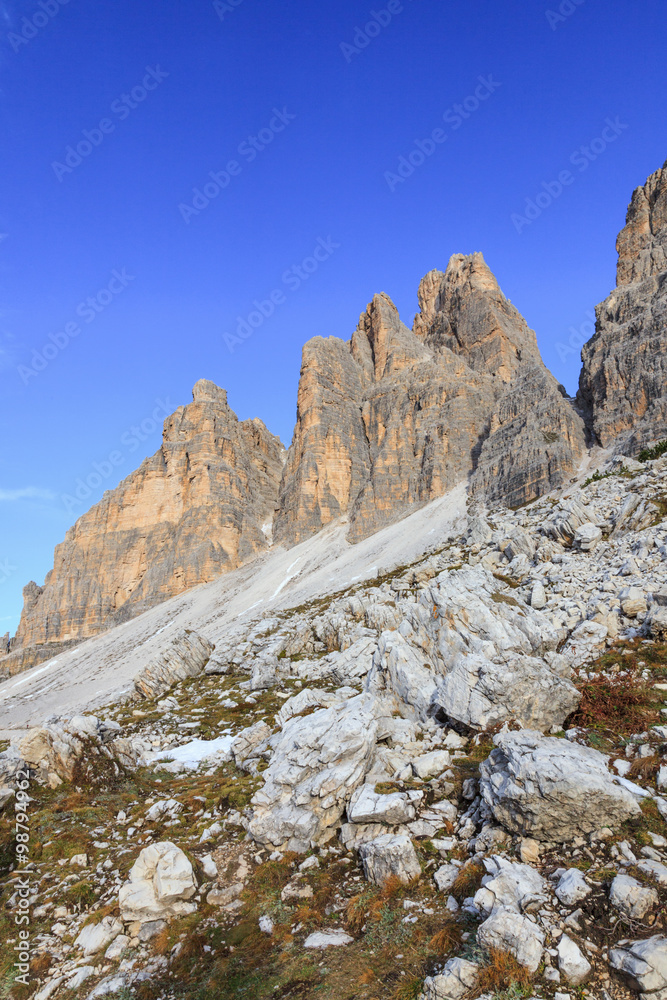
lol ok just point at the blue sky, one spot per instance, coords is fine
(123, 276)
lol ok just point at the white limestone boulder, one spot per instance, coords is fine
(160, 885)
(643, 964)
(551, 789)
(572, 963)
(318, 761)
(631, 897)
(457, 978)
(390, 855)
(367, 806)
(508, 931)
(511, 885)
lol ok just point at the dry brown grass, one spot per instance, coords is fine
(309, 917)
(645, 767)
(625, 706)
(356, 914)
(501, 972)
(40, 965)
(371, 904)
(468, 880)
(162, 942)
(447, 938)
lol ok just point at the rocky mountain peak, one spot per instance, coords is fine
(206, 391)
(192, 511)
(642, 244)
(382, 344)
(465, 311)
(622, 387)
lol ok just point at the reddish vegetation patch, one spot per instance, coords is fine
(627, 705)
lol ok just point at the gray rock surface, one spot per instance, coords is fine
(186, 655)
(389, 855)
(509, 931)
(644, 965)
(551, 789)
(631, 897)
(160, 885)
(457, 978)
(318, 761)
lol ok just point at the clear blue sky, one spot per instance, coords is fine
(180, 89)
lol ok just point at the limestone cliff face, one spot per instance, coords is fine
(623, 384)
(463, 395)
(202, 505)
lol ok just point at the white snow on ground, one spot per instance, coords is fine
(192, 754)
(101, 669)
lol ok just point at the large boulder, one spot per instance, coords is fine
(644, 965)
(458, 977)
(511, 932)
(390, 855)
(160, 885)
(551, 789)
(185, 656)
(511, 885)
(474, 654)
(480, 693)
(317, 763)
(52, 750)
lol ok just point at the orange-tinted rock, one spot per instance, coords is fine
(201, 506)
(398, 417)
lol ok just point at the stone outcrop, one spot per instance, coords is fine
(185, 656)
(624, 377)
(202, 505)
(397, 417)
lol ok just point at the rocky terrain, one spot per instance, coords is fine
(382, 759)
(201, 506)
(447, 780)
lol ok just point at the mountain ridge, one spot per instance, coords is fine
(386, 422)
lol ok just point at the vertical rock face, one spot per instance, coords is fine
(623, 384)
(465, 393)
(202, 505)
(533, 439)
